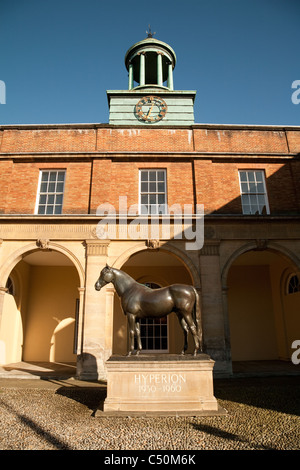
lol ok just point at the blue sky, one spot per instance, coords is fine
(59, 57)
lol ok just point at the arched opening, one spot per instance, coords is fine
(39, 314)
(157, 268)
(263, 306)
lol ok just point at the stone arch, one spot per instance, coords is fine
(19, 254)
(170, 249)
(258, 325)
(66, 305)
(257, 246)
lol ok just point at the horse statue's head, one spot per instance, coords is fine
(106, 276)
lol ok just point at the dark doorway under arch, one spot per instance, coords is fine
(263, 317)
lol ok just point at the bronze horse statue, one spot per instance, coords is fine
(139, 301)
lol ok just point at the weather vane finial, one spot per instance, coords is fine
(150, 34)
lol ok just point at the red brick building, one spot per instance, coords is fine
(54, 177)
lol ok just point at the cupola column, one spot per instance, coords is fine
(142, 68)
(159, 69)
(130, 76)
(170, 83)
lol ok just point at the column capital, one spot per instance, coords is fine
(97, 247)
(210, 248)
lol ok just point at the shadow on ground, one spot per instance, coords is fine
(275, 393)
(91, 397)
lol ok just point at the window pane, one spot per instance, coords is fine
(152, 199)
(49, 210)
(245, 199)
(259, 176)
(243, 175)
(50, 199)
(144, 209)
(260, 188)
(252, 187)
(253, 192)
(58, 199)
(144, 198)
(244, 187)
(152, 183)
(59, 187)
(161, 198)
(261, 199)
(51, 192)
(44, 187)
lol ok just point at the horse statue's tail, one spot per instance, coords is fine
(198, 318)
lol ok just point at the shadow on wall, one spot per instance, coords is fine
(286, 177)
(87, 368)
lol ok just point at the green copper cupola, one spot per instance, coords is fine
(150, 62)
(150, 99)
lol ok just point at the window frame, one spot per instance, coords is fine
(295, 287)
(156, 193)
(55, 193)
(256, 193)
(150, 351)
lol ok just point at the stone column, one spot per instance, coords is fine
(212, 305)
(91, 361)
(170, 76)
(130, 76)
(159, 69)
(3, 291)
(79, 338)
(142, 68)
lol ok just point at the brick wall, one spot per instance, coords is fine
(110, 139)
(202, 165)
(19, 191)
(114, 179)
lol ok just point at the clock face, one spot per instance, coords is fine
(151, 109)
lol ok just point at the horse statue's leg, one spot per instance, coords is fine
(132, 330)
(185, 329)
(192, 327)
(138, 337)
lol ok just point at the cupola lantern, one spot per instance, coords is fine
(150, 98)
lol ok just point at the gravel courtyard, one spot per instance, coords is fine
(262, 414)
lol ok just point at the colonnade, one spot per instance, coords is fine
(142, 63)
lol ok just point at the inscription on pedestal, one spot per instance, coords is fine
(160, 383)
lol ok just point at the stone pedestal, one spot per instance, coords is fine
(160, 384)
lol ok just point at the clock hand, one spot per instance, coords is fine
(150, 110)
